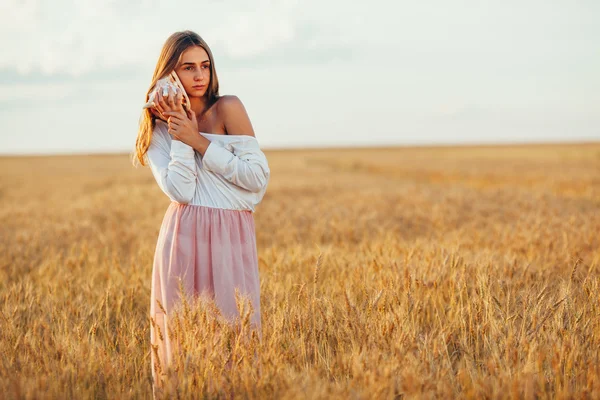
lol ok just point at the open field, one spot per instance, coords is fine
(469, 272)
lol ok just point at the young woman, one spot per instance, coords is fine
(207, 160)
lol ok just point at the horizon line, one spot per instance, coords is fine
(331, 148)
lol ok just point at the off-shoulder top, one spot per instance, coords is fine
(232, 174)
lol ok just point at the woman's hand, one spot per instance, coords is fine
(183, 125)
(169, 102)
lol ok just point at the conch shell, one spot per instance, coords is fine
(169, 84)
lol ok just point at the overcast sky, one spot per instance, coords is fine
(73, 74)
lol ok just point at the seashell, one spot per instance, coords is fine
(170, 83)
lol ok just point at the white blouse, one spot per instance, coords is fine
(233, 173)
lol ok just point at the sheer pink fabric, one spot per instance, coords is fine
(213, 251)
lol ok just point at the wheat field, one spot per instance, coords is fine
(391, 273)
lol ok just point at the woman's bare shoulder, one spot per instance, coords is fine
(225, 103)
(228, 99)
(234, 116)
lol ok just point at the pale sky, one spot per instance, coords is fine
(73, 74)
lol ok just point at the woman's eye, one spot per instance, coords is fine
(188, 68)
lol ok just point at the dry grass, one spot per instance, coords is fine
(390, 273)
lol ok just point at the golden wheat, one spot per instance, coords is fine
(468, 272)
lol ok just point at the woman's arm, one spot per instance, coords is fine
(246, 166)
(173, 168)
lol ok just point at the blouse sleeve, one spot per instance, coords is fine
(245, 166)
(173, 166)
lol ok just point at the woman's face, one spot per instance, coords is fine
(194, 71)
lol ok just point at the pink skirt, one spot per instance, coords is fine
(213, 251)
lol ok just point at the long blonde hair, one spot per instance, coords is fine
(168, 60)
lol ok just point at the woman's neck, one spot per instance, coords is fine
(198, 104)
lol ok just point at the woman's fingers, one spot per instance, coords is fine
(176, 115)
(159, 110)
(179, 99)
(171, 99)
(156, 106)
(160, 101)
(174, 122)
(174, 99)
(157, 113)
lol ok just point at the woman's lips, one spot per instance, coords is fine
(199, 86)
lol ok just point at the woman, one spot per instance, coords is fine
(214, 180)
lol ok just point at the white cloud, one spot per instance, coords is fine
(79, 36)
